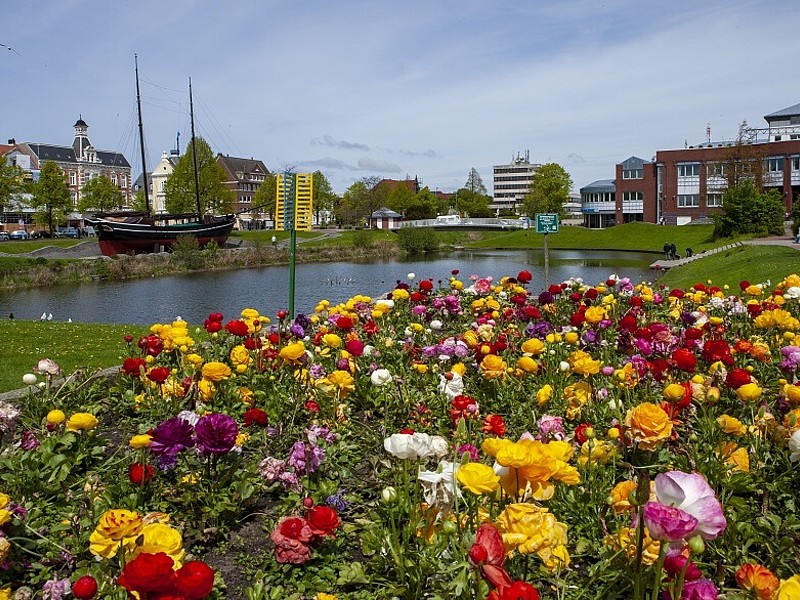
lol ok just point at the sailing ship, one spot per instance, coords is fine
(128, 232)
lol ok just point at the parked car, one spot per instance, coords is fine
(19, 234)
(68, 232)
(41, 234)
(3, 236)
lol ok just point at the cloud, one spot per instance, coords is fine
(424, 153)
(327, 140)
(373, 164)
(328, 163)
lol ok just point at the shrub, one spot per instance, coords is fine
(417, 240)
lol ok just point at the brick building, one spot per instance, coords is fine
(244, 177)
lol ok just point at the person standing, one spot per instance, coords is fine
(667, 250)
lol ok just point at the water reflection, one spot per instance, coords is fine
(193, 296)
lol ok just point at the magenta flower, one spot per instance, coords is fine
(216, 433)
(691, 493)
(699, 589)
(169, 438)
(667, 523)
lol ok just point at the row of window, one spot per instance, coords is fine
(73, 179)
(523, 178)
(693, 200)
(633, 173)
(773, 164)
(632, 196)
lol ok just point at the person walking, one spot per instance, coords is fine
(667, 250)
(673, 250)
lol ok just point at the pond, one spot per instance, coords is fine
(193, 296)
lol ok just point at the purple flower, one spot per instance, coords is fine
(691, 493)
(699, 589)
(317, 432)
(337, 501)
(29, 441)
(470, 449)
(546, 298)
(667, 523)
(271, 468)
(317, 371)
(550, 428)
(306, 458)
(169, 438)
(56, 589)
(216, 434)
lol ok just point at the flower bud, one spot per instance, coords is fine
(696, 544)
(389, 495)
(29, 379)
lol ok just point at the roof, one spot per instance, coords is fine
(634, 162)
(67, 154)
(4, 148)
(601, 185)
(80, 123)
(246, 166)
(790, 111)
(386, 213)
(391, 184)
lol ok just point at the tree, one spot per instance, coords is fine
(400, 198)
(360, 200)
(215, 198)
(324, 196)
(549, 190)
(99, 193)
(745, 210)
(475, 183)
(51, 200)
(473, 204)
(12, 184)
(424, 205)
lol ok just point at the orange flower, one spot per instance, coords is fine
(758, 579)
(648, 425)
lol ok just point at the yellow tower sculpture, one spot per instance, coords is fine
(294, 201)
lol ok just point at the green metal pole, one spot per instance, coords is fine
(546, 261)
(292, 248)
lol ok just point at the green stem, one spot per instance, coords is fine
(662, 556)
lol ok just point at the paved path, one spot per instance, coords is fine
(784, 240)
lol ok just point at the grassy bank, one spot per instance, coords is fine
(72, 345)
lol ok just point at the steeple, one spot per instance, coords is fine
(81, 141)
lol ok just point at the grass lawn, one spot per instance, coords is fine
(21, 247)
(71, 345)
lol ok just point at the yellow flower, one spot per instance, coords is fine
(216, 371)
(206, 389)
(4, 500)
(478, 478)
(595, 314)
(731, 425)
(492, 366)
(194, 359)
(674, 392)
(140, 441)
(247, 396)
(400, 294)
(324, 596)
(648, 425)
(582, 363)
(596, 452)
(749, 392)
(618, 498)
(792, 393)
(5, 593)
(338, 381)
(544, 394)
(5, 548)
(789, 589)
(626, 540)
(82, 422)
(735, 457)
(533, 346)
(115, 527)
(527, 364)
(531, 529)
(160, 537)
(56, 417)
(240, 357)
(5, 516)
(293, 352)
(250, 314)
(332, 340)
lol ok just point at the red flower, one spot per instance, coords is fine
(85, 587)
(215, 316)
(736, 378)
(627, 323)
(426, 285)
(255, 416)
(212, 326)
(344, 323)
(717, 350)
(148, 573)
(580, 433)
(635, 301)
(139, 473)
(489, 554)
(519, 590)
(371, 327)
(322, 520)
(532, 312)
(150, 345)
(354, 347)
(524, 276)
(291, 538)
(555, 289)
(591, 293)
(239, 328)
(677, 293)
(684, 360)
(159, 374)
(252, 343)
(133, 366)
(416, 296)
(463, 407)
(494, 424)
(743, 285)
(195, 580)
(311, 406)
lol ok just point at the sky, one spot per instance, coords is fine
(396, 89)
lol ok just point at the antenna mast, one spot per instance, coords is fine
(141, 137)
(194, 153)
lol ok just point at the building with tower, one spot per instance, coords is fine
(511, 183)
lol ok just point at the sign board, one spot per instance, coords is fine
(547, 223)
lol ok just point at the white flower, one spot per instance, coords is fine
(29, 379)
(792, 292)
(380, 377)
(438, 487)
(451, 387)
(385, 302)
(436, 325)
(411, 276)
(48, 366)
(794, 446)
(415, 446)
(564, 366)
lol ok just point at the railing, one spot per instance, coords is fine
(467, 223)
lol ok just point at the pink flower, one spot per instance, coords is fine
(691, 493)
(667, 523)
(292, 537)
(699, 589)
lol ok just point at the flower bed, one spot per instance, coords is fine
(470, 440)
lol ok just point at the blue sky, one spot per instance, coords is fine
(418, 87)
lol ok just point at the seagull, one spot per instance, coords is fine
(69, 320)
(43, 317)
(11, 49)
(50, 317)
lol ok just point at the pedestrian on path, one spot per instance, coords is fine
(667, 250)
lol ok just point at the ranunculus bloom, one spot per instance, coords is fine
(237, 327)
(492, 366)
(216, 433)
(140, 474)
(489, 554)
(85, 588)
(667, 523)
(114, 527)
(478, 478)
(216, 371)
(48, 366)
(159, 374)
(736, 378)
(380, 377)
(648, 425)
(699, 589)
(749, 392)
(194, 580)
(255, 416)
(758, 579)
(685, 360)
(518, 590)
(322, 520)
(293, 352)
(82, 422)
(415, 446)
(148, 573)
(292, 537)
(56, 417)
(133, 366)
(789, 589)
(160, 537)
(140, 441)
(691, 493)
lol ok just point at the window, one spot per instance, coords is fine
(778, 138)
(72, 178)
(632, 196)
(124, 184)
(114, 178)
(774, 164)
(713, 200)
(633, 173)
(796, 163)
(688, 169)
(688, 200)
(715, 169)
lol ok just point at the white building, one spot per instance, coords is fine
(158, 180)
(511, 182)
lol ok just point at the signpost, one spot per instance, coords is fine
(546, 223)
(293, 211)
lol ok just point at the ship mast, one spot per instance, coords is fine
(194, 153)
(141, 138)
